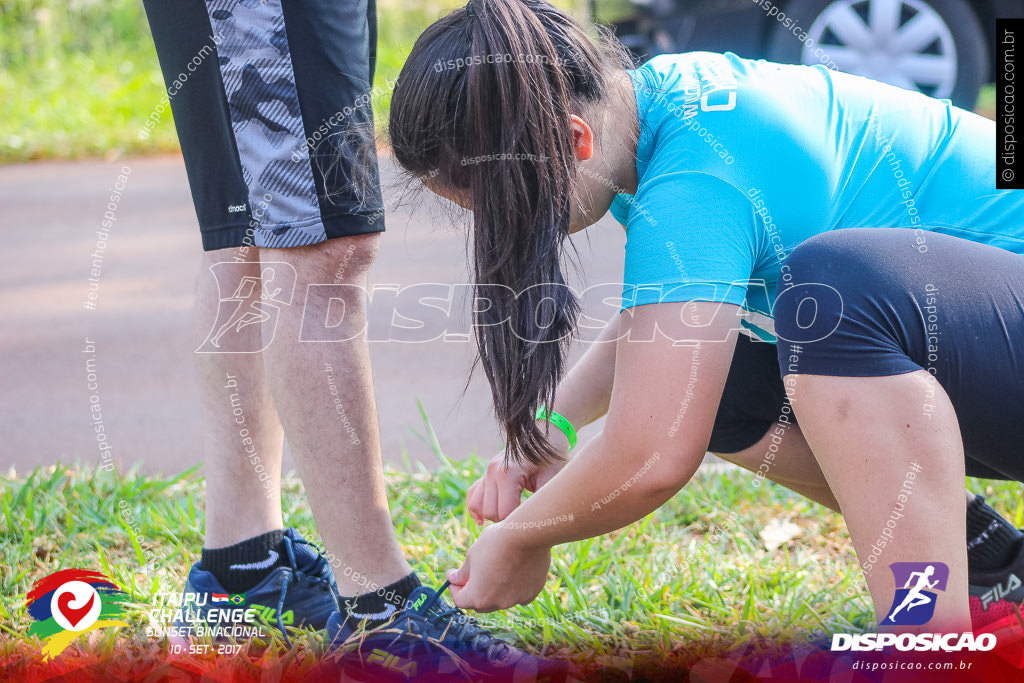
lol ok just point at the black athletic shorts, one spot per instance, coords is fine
(754, 398)
(869, 302)
(272, 103)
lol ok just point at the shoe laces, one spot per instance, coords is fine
(309, 574)
(462, 627)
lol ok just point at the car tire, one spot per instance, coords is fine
(953, 64)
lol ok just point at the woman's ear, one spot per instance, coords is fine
(582, 138)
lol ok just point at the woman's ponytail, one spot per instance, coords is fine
(493, 124)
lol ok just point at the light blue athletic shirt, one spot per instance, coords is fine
(739, 161)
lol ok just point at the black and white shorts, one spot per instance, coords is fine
(272, 103)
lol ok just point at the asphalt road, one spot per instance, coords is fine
(137, 342)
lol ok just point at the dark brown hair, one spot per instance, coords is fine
(482, 107)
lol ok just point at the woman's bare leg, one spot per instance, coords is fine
(897, 473)
(783, 456)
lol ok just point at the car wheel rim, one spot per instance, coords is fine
(902, 42)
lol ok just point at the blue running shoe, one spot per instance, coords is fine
(301, 594)
(432, 640)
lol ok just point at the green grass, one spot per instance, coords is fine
(79, 77)
(694, 572)
(987, 101)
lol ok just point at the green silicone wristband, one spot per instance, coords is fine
(560, 422)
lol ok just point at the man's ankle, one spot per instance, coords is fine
(376, 608)
(241, 566)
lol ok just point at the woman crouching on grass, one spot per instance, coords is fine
(719, 167)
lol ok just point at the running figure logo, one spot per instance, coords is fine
(247, 300)
(914, 603)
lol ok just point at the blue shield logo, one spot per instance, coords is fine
(914, 603)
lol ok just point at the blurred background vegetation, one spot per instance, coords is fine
(79, 77)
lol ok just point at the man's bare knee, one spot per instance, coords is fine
(336, 261)
(357, 255)
(215, 279)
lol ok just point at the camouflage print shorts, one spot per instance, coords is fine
(272, 103)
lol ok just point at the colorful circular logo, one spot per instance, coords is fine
(76, 605)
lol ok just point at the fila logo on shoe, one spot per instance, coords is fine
(999, 592)
(392, 662)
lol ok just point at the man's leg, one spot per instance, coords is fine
(324, 394)
(243, 478)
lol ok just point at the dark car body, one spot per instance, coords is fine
(750, 28)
